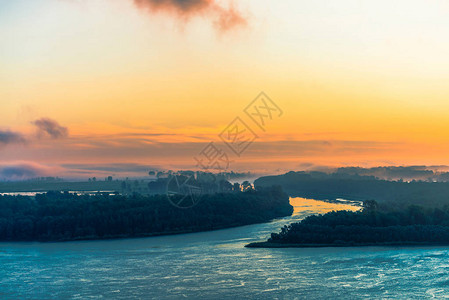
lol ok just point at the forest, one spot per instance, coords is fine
(415, 225)
(390, 195)
(63, 216)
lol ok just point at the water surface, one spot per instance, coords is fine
(215, 265)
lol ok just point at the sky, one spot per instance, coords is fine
(109, 86)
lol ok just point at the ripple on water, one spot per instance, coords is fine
(216, 265)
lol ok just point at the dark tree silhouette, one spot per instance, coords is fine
(414, 225)
(58, 216)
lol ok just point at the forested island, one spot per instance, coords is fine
(403, 213)
(58, 216)
(415, 225)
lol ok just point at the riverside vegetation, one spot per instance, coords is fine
(57, 216)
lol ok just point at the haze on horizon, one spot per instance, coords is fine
(88, 84)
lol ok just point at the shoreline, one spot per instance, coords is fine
(140, 236)
(187, 231)
(270, 245)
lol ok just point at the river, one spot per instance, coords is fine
(215, 265)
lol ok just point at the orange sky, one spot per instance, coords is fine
(359, 82)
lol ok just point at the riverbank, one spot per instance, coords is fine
(412, 226)
(55, 216)
(279, 245)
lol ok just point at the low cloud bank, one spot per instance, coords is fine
(24, 170)
(9, 137)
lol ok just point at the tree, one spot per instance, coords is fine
(247, 186)
(370, 205)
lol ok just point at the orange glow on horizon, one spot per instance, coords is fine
(359, 83)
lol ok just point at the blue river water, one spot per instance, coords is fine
(215, 265)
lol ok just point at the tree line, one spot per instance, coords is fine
(413, 225)
(389, 194)
(57, 216)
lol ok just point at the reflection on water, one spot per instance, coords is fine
(302, 206)
(215, 265)
(30, 194)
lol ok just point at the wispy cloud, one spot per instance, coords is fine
(223, 18)
(51, 128)
(116, 169)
